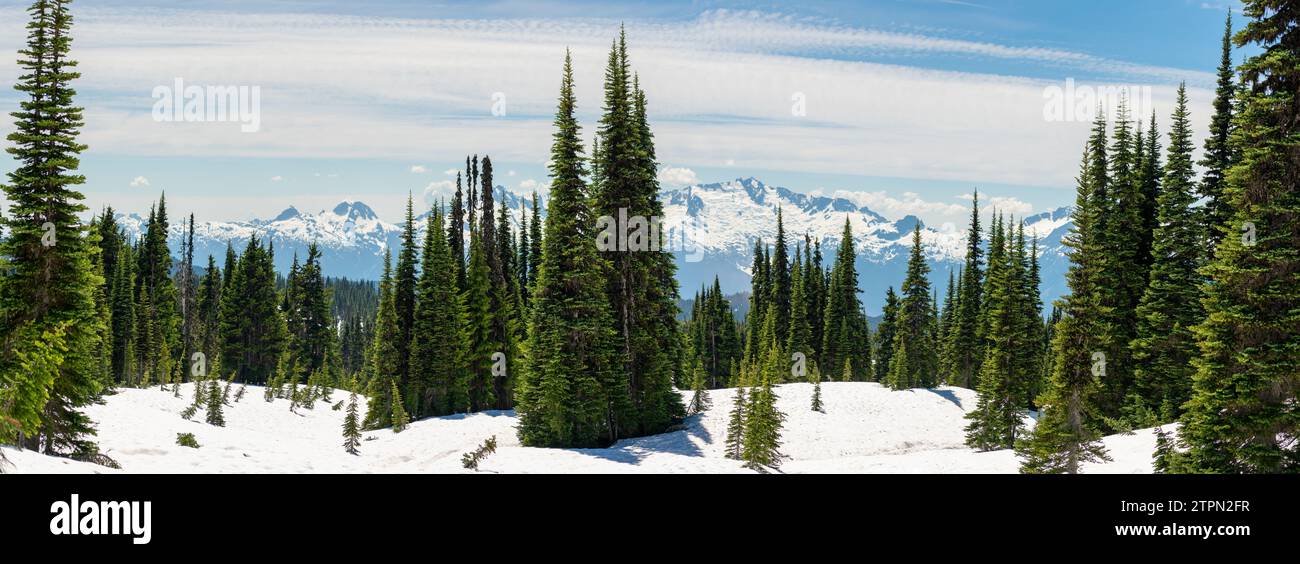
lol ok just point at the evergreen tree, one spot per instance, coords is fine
(967, 345)
(400, 419)
(1242, 415)
(846, 334)
(1066, 435)
(480, 345)
(456, 234)
(570, 393)
(642, 288)
(762, 435)
(914, 363)
(352, 429)
(404, 295)
(52, 332)
(383, 358)
(733, 445)
(1170, 307)
(1009, 364)
(252, 330)
(214, 402)
(885, 332)
(1218, 154)
(437, 337)
(699, 393)
(816, 377)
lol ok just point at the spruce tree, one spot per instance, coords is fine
(736, 425)
(1170, 308)
(699, 393)
(846, 334)
(642, 289)
(914, 363)
(816, 376)
(1218, 154)
(252, 329)
(1242, 415)
(437, 336)
(967, 346)
(383, 358)
(52, 333)
(885, 337)
(214, 402)
(351, 428)
(570, 394)
(1066, 434)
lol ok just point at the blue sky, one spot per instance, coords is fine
(909, 104)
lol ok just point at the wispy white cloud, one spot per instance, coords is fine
(139, 182)
(719, 89)
(419, 169)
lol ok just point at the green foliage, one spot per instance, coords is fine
(351, 427)
(471, 460)
(187, 440)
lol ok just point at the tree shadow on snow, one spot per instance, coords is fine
(948, 395)
(633, 451)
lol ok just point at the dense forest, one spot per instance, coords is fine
(1183, 296)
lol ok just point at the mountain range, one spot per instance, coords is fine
(710, 228)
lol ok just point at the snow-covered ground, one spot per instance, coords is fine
(866, 429)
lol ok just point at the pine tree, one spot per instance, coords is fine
(1066, 435)
(456, 233)
(399, 416)
(1218, 154)
(1170, 307)
(885, 332)
(914, 363)
(404, 295)
(846, 334)
(762, 435)
(214, 403)
(1242, 415)
(252, 329)
(480, 344)
(816, 376)
(52, 333)
(383, 357)
(736, 426)
(352, 429)
(699, 393)
(570, 394)
(437, 337)
(1009, 365)
(967, 345)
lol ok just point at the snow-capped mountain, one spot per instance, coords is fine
(711, 229)
(351, 235)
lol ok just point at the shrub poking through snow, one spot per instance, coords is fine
(187, 440)
(471, 459)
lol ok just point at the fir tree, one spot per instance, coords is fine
(736, 426)
(699, 393)
(383, 359)
(352, 429)
(214, 403)
(846, 334)
(570, 394)
(1218, 154)
(400, 419)
(404, 295)
(967, 345)
(1170, 307)
(52, 333)
(885, 332)
(1066, 435)
(437, 339)
(816, 376)
(914, 363)
(1242, 415)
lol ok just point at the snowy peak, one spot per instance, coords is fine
(289, 213)
(354, 211)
